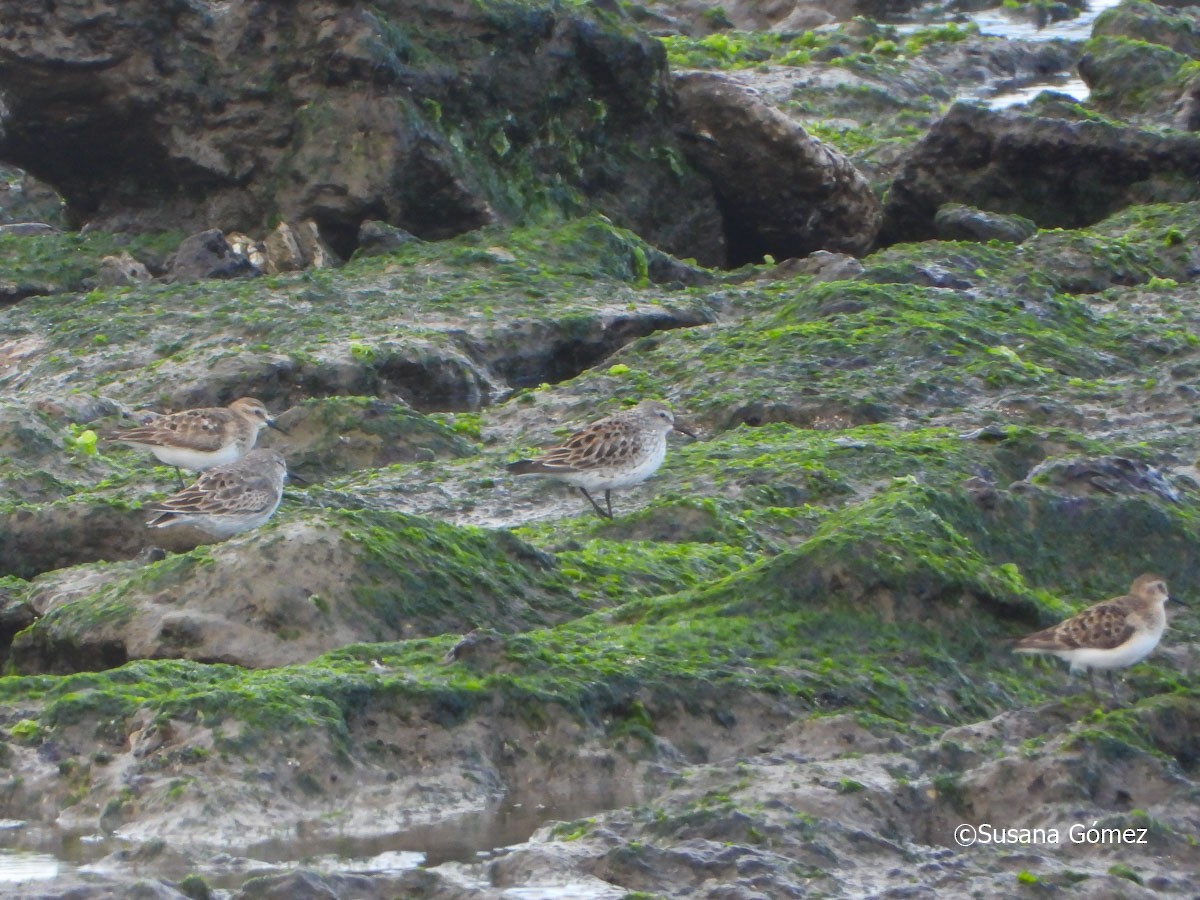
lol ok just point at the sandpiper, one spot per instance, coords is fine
(1109, 635)
(229, 498)
(618, 451)
(198, 439)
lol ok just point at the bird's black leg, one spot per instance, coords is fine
(599, 509)
(1092, 682)
(179, 475)
(1112, 686)
(608, 502)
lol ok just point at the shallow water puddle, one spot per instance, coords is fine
(27, 865)
(1070, 85)
(463, 838)
(995, 21)
(29, 853)
(389, 862)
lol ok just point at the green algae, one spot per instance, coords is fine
(851, 348)
(1130, 75)
(67, 262)
(841, 569)
(749, 49)
(742, 49)
(420, 570)
(1162, 725)
(318, 318)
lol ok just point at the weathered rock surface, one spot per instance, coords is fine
(209, 255)
(782, 670)
(782, 192)
(957, 222)
(1056, 172)
(329, 583)
(437, 119)
(1139, 63)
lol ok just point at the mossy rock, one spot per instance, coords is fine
(315, 582)
(1131, 77)
(435, 326)
(1141, 20)
(344, 434)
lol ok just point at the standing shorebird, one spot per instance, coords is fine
(228, 499)
(198, 439)
(1109, 635)
(618, 451)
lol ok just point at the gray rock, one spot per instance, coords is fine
(820, 265)
(958, 222)
(376, 238)
(28, 228)
(1057, 173)
(1104, 475)
(784, 193)
(208, 255)
(290, 248)
(121, 269)
(105, 888)
(307, 885)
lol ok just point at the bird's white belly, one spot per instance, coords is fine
(609, 478)
(1132, 651)
(197, 460)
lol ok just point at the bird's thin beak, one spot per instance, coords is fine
(1172, 598)
(292, 476)
(271, 424)
(683, 429)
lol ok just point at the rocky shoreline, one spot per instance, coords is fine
(943, 361)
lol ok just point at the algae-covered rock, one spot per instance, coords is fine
(288, 593)
(431, 330)
(957, 222)
(1151, 23)
(1138, 79)
(784, 668)
(1058, 173)
(339, 435)
(438, 118)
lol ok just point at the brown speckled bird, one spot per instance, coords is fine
(1109, 635)
(198, 439)
(618, 451)
(228, 499)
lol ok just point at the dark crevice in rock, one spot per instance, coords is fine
(781, 192)
(436, 379)
(448, 384)
(60, 656)
(536, 353)
(15, 616)
(744, 242)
